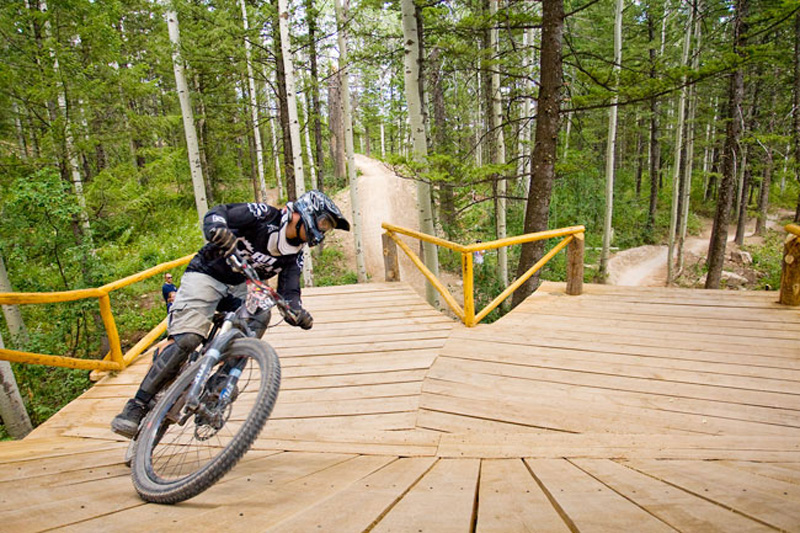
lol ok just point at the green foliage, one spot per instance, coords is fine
(330, 269)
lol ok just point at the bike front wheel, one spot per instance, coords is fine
(180, 454)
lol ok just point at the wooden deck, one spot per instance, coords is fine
(619, 410)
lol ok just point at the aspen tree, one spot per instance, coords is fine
(411, 72)
(347, 117)
(611, 144)
(254, 109)
(676, 170)
(188, 115)
(499, 148)
(294, 122)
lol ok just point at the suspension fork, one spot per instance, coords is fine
(212, 356)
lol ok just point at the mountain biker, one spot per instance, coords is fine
(272, 240)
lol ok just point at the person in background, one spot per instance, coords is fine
(477, 255)
(168, 290)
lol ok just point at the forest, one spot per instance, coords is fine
(121, 121)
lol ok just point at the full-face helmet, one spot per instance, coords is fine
(319, 215)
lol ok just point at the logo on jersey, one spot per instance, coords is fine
(258, 210)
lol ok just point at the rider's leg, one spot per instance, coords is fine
(164, 369)
(189, 321)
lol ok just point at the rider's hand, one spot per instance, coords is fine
(224, 239)
(300, 318)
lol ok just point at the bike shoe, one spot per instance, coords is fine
(127, 422)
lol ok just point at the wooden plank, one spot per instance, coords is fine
(362, 392)
(454, 423)
(680, 509)
(510, 400)
(671, 398)
(393, 443)
(769, 501)
(442, 501)
(256, 476)
(775, 471)
(448, 368)
(510, 500)
(371, 497)
(611, 445)
(588, 505)
(634, 315)
(653, 335)
(522, 354)
(259, 509)
(420, 360)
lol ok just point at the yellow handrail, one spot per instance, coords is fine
(114, 360)
(467, 315)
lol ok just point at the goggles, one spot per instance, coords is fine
(325, 223)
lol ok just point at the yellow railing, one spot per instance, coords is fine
(114, 360)
(573, 236)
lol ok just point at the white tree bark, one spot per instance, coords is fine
(690, 134)
(198, 185)
(499, 149)
(294, 122)
(347, 117)
(676, 171)
(307, 136)
(262, 182)
(611, 145)
(16, 326)
(69, 143)
(420, 153)
(12, 410)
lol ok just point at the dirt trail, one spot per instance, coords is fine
(646, 266)
(385, 197)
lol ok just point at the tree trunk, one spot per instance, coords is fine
(655, 143)
(499, 149)
(283, 103)
(70, 156)
(316, 107)
(688, 163)
(719, 235)
(411, 44)
(262, 182)
(796, 109)
(188, 116)
(441, 141)
(14, 321)
(12, 409)
(336, 124)
(544, 149)
(611, 145)
(294, 123)
(341, 23)
(679, 154)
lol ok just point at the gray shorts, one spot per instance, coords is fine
(196, 301)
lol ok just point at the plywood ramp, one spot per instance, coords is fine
(622, 409)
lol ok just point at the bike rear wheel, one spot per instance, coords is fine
(177, 459)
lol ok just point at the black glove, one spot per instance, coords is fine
(224, 239)
(300, 318)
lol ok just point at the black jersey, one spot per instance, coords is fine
(261, 229)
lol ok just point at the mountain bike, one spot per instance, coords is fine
(214, 410)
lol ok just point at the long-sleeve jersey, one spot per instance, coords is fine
(261, 231)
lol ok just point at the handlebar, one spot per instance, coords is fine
(240, 264)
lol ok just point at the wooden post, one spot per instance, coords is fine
(390, 263)
(790, 273)
(575, 265)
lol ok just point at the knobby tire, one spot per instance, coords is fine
(156, 489)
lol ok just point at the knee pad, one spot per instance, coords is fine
(169, 361)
